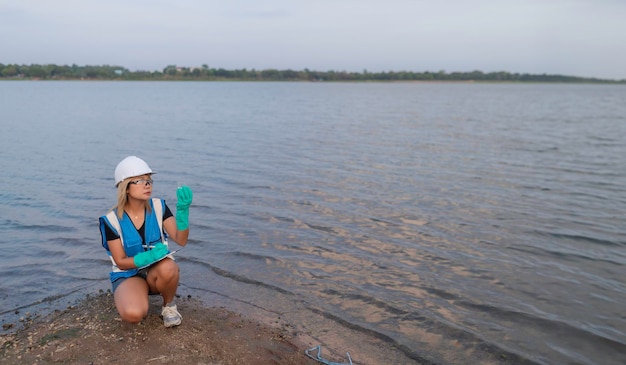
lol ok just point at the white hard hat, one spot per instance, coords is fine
(129, 167)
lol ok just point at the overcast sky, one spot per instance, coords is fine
(570, 37)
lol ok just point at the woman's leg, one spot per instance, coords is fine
(163, 279)
(131, 299)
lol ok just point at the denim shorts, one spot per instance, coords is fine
(143, 273)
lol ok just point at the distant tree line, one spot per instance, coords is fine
(206, 73)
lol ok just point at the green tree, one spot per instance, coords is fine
(170, 70)
(37, 71)
(9, 71)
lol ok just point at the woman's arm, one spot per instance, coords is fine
(174, 233)
(119, 255)
(139, 260)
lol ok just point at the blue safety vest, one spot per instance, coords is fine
(131, 239)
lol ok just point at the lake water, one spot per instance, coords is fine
(455, 221)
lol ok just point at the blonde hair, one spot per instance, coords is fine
(122, 198)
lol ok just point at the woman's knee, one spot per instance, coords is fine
(133, 314)
(167, 269)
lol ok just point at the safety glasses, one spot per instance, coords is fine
(141, 182)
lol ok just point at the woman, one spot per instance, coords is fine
(133, 235)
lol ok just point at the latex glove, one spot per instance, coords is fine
(146, 258)
(185, 196)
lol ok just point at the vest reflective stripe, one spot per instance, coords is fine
(130, 237)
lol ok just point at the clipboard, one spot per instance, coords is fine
(168, 255)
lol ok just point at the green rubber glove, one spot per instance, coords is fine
(184, 196)
(146, 258)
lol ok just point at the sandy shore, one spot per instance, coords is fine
(92, 333)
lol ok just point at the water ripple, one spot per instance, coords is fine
(457, 221)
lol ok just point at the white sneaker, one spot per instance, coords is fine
(170, 315)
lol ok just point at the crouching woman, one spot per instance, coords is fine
(134, 234)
